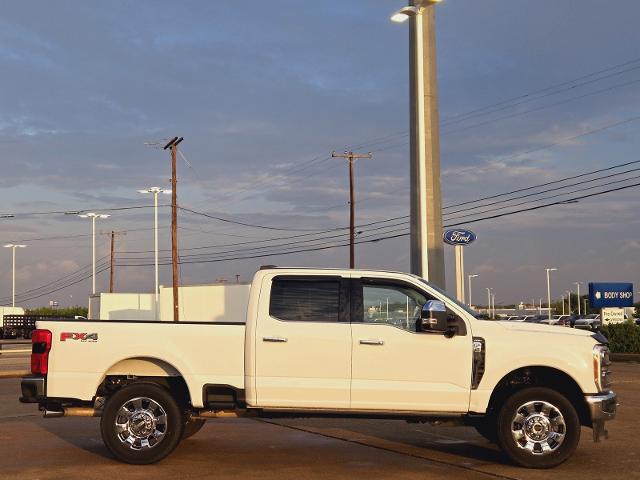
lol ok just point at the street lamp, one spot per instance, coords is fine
(493, 305)
(470, 277)
(549, 290)
(577, 284)
(155, 191)
(93, 216)
(13, 281)
(405, 13)
(488, 301)
(427, 249)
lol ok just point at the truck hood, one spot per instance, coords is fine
(542, 328)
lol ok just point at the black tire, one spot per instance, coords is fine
(529, 450)
(158, 411)
(191, 427)
(488, 428)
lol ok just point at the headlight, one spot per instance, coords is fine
(601, 365)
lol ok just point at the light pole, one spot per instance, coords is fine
(156, 191)
(93, 216)
(569, 300)
(577, 284)
(470, 277)
(13, 247)
(493, 305)
(488, 301)
(427, 249)
(549, 290)
(562, 300)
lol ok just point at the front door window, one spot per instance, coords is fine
(396, 305)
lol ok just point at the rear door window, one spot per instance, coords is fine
(313, 299)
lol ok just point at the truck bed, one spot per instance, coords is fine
(84, 352)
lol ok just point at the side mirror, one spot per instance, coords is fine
(433, 317)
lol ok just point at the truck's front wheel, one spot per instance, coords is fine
(538, 428)
(141, 423)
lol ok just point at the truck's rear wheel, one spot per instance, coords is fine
(191, 427)
(538, 428)
(141, 423)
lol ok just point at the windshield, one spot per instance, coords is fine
(466, 308)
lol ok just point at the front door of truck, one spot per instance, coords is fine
(303, 343)
(394, 366)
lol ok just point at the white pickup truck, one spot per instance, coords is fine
(350, 343)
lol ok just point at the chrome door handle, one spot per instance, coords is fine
(274, 339)
(371, 342)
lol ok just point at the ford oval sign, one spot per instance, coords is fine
(459, 237)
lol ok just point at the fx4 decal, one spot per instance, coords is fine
(83, 337)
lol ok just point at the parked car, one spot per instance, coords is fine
(588, 322)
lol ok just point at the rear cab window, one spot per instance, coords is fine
(309, 299)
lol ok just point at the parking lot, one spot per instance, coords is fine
(32, 447)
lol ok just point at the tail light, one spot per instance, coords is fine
(40, 347)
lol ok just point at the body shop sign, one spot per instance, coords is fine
(604, 295)
(459, 236)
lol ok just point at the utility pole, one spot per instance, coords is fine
(351, 157)
(173, 145)
(111, 268)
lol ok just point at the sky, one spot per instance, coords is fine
(262, 92)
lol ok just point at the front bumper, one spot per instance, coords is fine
(602, 408)
(33, 389)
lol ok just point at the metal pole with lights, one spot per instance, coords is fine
(93, 216)
(488, 301)
(155, 191)
(13, 247)
(577, 284)
(470, 277)
(427, 250)
(549, 289)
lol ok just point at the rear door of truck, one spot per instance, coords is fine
(303, 342)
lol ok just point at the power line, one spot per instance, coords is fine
(534, 98)
(252, 225)
(547, 191)
(101, 263)
(456, 118)
(562, 202)
(546, 89)
(554, 182)
(387, 235)
(547, 197)
(75, 212)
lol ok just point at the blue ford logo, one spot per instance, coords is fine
(459, 237)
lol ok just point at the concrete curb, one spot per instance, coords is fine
(625, 357)
(14, 373)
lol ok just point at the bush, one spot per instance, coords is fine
(63, 312)
(623, 337)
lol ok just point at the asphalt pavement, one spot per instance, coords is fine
(35, 448)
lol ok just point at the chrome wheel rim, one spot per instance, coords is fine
(141, 423)
(538, 427)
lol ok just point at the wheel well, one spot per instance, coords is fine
(540, 377)
(141, 370)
